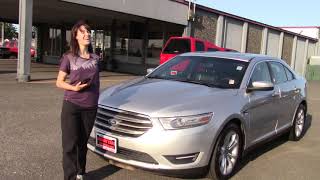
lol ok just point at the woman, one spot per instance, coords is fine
(80, 99)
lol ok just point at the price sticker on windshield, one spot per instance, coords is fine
(239, 68)
(173, 73)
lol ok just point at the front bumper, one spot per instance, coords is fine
(151, 151)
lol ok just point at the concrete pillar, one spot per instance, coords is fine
(305, 57)
(25, 36)
(95, 40)
(111, 61)
(244, 37)
(220, 31)
(264, 41)
(188, 29)
(280, 45)
(294, 49)
(2, 33)
(145, 43)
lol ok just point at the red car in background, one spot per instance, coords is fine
(12, 48)
(179, 45)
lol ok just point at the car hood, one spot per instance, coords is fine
(164, 98)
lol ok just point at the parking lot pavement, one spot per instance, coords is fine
(30, 135)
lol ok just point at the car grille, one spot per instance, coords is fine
(122, 123)
(126, 154)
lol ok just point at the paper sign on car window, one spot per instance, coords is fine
(173, 73)
(239, 68)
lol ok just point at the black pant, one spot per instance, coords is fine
(76, 125)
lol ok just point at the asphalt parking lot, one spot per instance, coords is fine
(30, 135)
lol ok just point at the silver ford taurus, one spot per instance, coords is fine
(199, 113)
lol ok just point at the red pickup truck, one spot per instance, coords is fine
(178, 45)
(10, 50)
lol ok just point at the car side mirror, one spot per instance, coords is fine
(149, 70)
(260, 86)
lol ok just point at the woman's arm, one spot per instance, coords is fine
(61, 83)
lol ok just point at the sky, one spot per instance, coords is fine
(271, 12)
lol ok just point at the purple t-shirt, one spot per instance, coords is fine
(80, 69)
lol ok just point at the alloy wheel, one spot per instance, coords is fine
(229, 152)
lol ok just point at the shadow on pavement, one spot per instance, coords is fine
(102, 172)
(269, 145)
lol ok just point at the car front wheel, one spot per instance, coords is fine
(227, 152)
(298, 124)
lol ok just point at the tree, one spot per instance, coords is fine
(10, 31)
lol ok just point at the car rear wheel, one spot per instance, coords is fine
(227, 152)
(298, 124)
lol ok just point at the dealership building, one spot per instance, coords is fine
(129, 34)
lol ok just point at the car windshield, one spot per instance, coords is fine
(177, 46)
(208, 71)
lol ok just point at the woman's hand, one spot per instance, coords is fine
(60, 83)
(79, 86)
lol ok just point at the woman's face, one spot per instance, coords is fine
(83, 36)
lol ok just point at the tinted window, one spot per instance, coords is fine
(211, 71)
(261, 73)
(177, 46)
(213, 49)
(278, 72)
(199, 46)
(289, 74)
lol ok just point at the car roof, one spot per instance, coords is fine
(231, 55)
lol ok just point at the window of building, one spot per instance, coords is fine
(55, 43)
(155, 43)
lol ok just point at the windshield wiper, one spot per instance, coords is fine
(203, 83)
(193, 82)
(154, 77)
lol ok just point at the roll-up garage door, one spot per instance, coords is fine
(273, 43)
(233, 34)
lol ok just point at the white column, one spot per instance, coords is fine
(25, 36)
(244, 37)
(280, 45)
(220, 29)
(264, 41)
(293, 54)
(305, 57)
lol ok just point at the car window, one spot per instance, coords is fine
(211, 71)
(199, 46)
(278, 72)
(261, 73)
(177, 46)
(289, 74)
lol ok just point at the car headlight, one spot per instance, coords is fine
(183, 122)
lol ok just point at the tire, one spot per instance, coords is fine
(13, 57)
(225, 159)
(298, 125)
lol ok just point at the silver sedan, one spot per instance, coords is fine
(199, 113)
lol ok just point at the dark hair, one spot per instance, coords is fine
(74, 46)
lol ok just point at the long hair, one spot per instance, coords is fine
(74, 46)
